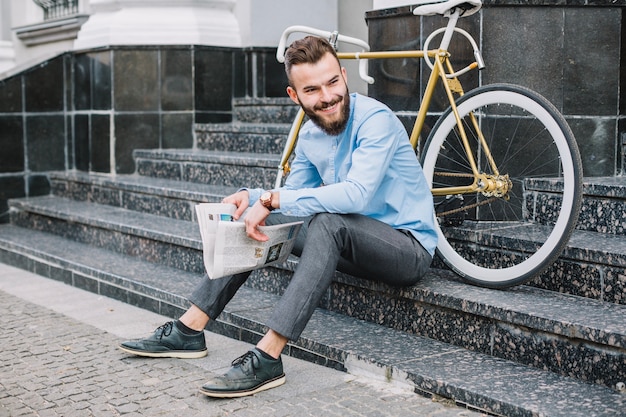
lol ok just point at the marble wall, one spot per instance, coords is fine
(570, 52)
(89, 110)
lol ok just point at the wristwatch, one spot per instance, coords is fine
(266, 200)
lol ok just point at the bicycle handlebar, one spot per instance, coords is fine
(280, 51)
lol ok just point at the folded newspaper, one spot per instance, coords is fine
(228, 249)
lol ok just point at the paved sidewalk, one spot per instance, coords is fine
(59, 357)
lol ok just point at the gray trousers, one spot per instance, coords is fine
(352, 243)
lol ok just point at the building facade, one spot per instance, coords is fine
(85, 82)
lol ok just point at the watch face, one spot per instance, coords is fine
(266, 200)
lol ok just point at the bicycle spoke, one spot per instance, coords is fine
(504, 227)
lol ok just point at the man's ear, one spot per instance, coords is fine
(293, 95)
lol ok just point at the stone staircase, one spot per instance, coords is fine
(554, 347)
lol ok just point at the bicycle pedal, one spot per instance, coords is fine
(450, 211)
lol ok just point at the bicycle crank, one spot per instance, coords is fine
(451, 211)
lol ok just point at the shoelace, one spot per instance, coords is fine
(244, 359)
(165, 329)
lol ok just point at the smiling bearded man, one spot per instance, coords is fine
(367, 209)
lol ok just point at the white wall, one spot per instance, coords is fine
(7, 53)
(23, 13)
(262, 21)
(385, 4)
(352, 23)
(5, 20)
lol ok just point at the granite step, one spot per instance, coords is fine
(159, 196)
(264, 110)
(242, 137)
(525, 324)
(498, 386)
(592, 266)
(603, 208)
(566, 334)
(604, 205)
(172, 242)
(209, 167)
(595, 261)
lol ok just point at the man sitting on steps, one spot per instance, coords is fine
(368, 212)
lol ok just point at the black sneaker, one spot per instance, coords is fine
(168, 341)
(251, 373)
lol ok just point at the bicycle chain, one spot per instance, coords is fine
(493, 196)
(451, 174)
(465, 208)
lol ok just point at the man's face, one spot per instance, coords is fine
(321, 90)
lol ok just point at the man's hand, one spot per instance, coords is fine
(241, 200)
(254, 218)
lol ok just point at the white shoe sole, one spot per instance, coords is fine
(181, 354)
(273, 383)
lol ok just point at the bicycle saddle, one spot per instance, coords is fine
(468, 7)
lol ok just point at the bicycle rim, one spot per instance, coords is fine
(503, 240)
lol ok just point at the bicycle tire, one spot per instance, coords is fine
(502, 241)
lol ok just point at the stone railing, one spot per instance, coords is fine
(61, 22)
(54, 9)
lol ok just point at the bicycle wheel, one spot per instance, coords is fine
(502, 237)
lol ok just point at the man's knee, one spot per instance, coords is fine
(326, 228)
(329, 219)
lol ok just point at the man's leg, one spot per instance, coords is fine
(184, 338)
(366, 247)
(211, 297)
(359, 245)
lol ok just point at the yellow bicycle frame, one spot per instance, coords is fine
(451, 85)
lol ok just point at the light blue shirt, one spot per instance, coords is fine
(369, 169)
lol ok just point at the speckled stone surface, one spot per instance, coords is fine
(593, 263)
(532, 329)
(264, 110)
(163, 197)
(502, 387)
(554, 347)
(532, 326)
(529, 324)
(154, 238)
(604, 202)
(604, 215)
(242, 137)
(590, 266)
(222, 168)
(606, 187)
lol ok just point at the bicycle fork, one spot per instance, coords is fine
(490, 185)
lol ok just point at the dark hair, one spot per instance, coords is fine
(308, 50)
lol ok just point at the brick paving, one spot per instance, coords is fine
(59, 357)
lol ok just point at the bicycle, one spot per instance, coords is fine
(493, 230)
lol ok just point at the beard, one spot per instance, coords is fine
(333, 127)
